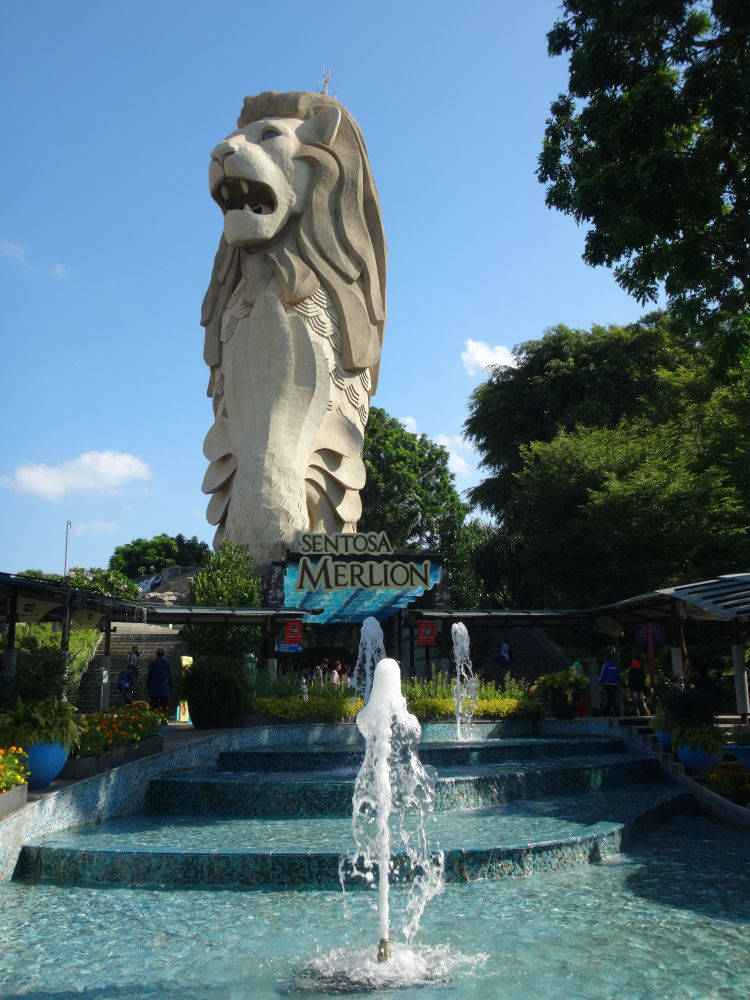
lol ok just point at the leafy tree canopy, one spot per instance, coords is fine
(409, 491)
(142, 557)
(650, 146)
(577, 377)
(109, 582)
(618, 462)
(606, 513)
(227, 580)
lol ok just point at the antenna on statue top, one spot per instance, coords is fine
(323, 88)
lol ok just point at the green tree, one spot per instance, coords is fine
(618, 461)
(227, 580)
(409, 492)
(142, 556)
(190, 552)
(577, 377)
(109, 582)
(606, 513)
(483, 572)
(650, 147)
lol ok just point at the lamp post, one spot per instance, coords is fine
(68, 526)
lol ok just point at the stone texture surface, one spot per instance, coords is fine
(294, 317)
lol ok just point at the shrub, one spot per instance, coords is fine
(28, 723)
(227, 580)
(431, 708)
(217, 684)
(566, 686)
(40, 672)
(318, 706)
(688, 717)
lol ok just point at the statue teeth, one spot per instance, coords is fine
(245, 187)
(225, 192)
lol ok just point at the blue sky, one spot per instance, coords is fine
(107, 233)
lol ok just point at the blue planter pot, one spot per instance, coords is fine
(665, 739)
(742, 754)
(45, 762)
(698, 761)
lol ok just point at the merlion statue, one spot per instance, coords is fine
(294, 319)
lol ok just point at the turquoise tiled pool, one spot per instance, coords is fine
(666, 919)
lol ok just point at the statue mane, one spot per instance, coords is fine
(339, 236)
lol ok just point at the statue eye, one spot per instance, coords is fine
(268, 133)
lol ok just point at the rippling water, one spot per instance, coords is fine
(669, 919)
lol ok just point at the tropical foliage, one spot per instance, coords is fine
(688, 716)
(649, 146)
(617, 461)
(227, 580)
(41, 665)
(49, 720)
(409, 491)
(142, 557)
(108, 582)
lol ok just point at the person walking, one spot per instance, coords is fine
(159, 681)
(609, 679)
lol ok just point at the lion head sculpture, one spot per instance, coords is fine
(294, 318)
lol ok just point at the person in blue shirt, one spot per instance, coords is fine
(609, 679)
(159, 681)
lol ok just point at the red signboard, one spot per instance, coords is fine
(426, 633)
(293, 631)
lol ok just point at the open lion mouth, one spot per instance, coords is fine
(235, 193)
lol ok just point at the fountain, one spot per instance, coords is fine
(393, 800)
(89, 931)
(393, 796)
(466, 685)
(371, 651)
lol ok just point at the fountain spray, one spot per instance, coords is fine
(392, 796)
(467, 685)
(371, 651)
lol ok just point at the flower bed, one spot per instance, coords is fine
(13, 768)
(124, 726)
(115, 737)
(732, 782)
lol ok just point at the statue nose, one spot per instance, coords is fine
(225, 149)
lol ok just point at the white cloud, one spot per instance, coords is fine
(92, 472)
(409, 423)
(458, 465)
(478, 356)
(15, 251)
(60, 271)
(95, 527)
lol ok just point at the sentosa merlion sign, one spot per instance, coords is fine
(294, 319)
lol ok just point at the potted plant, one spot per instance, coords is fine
(739, 744)
(218, 691)
(688, 717)
(46, 730)
(561, 692)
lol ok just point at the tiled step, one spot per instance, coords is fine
(434, 754)
(329, 793)
(510, 839)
